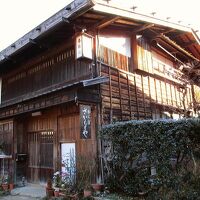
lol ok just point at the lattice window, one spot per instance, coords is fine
(6, 137)
(41, 149)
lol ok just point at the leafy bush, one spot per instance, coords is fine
(153, 158)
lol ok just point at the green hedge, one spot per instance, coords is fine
(133, 150)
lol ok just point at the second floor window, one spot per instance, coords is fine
(115, 51)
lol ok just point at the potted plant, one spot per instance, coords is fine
(87, 192)
(11, 186)
(49, 189)
(85, 174)
(56, 192)
(5, 182)
(57, 182)
(97, 187)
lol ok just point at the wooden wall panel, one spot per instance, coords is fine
(69, 131)
(47, 121)
(114, 58)
(139, 95)
(59, 68)
(64, 122)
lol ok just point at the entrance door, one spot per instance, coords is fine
(40, 152)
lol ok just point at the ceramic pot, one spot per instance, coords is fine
(49, 192)
(56, 193)
(11, 186)
(98, 187)
(5, 186)
(87, 193)
(74, 197)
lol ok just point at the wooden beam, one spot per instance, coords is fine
(173, 44)
(178, 35)
(105, 22)
(167, 31)
(161, 33)
(157, 34)
(142, 28)
(187, 44)
(113, 9)
(194, 33)
(95, 81)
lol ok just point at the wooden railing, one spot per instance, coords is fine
(136, 95)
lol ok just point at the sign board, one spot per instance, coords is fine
(85, 120)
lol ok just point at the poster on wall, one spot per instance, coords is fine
(85, 120)
(68, 160)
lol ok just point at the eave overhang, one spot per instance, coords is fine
(77, 8)
(56, 88)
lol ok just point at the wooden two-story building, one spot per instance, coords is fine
(90, 64)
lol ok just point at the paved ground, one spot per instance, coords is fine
(29, 192)
(18, 197)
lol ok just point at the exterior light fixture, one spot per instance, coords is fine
(84, 46)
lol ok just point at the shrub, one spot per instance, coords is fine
(153, 157)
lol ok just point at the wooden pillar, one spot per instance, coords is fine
(14, 152)
(134, 56)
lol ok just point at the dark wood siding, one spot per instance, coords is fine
(45, 134)
(137, 96)
(69, 131)
(114, 58)
(6, 136)
(46, 72)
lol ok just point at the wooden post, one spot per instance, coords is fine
(14, 151)
(134, 56)
(129, 95)
(136, 98)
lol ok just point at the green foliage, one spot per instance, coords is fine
(170, 148)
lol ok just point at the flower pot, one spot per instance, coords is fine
(74, 196)
(98, 187)
(5, 186)
(87, 193)
(56, 193)
(61, 194)
(49, 192)
(11, 186)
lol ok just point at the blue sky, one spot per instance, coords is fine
(17, 17)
